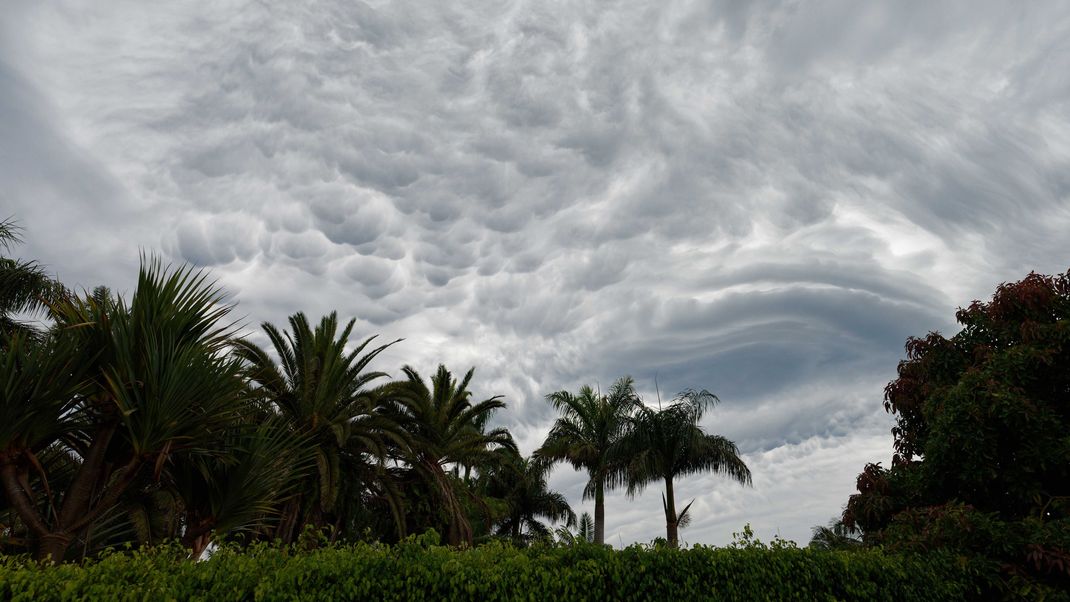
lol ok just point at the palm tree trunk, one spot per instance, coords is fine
(599, 515)
(53, 546)
(671, 530)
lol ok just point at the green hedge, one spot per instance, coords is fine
(414, 571)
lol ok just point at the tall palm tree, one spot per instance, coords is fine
(446, 430)
(24, 286)
(585, 436)
(667, 443)
(322, 391)
(521, 483)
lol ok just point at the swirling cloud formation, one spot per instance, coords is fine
(761, 198)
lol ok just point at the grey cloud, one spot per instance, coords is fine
(734, 195)
(376, 277)
(219, 241)
(389, 248)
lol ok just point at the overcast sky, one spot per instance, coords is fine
(761, 198)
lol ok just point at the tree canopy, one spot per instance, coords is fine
(982, 435)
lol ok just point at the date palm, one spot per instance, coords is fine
(446, 431)
(586, 434)
(322, 391)
(668, 442)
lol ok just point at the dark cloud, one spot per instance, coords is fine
(761, 198)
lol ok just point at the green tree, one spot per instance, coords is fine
(158, 388)
(668, 443)
(521, 483)
(585, 436)
(322, 391)
(242, 488)
(445, 431)
(980, 438)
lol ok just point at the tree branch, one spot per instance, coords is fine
(20, 499)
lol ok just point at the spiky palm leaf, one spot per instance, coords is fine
(835, 536)
(160, 384)
(322, 390)
(243, 489)
(446, 429)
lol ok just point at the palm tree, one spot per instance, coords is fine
(322, 393)
(585, 436)
(835, 536)
(157, 386)
(24, 286)
(446, 430)
(584, 531)
(521, 483)
(668, 442)
(242, 488)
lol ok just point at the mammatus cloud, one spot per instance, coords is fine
(760, 198)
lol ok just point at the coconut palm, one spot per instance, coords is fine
(446, 430)
(585, 436)
(668, 442)
(521, 483)
(322, 392)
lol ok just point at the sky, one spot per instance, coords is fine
(761, 198)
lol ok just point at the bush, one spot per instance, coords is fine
(419, 570)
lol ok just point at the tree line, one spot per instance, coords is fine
(150, 418)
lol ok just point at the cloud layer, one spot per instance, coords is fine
(760, 198)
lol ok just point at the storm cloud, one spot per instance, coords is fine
(764, 199)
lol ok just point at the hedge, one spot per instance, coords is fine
(415, 570)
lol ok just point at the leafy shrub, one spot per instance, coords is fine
(1026, 555)
(420, 569)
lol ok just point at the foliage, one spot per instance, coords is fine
(118, 394)
(835, 536)
(982, 437)
(668, 443)
(24, 286)
(1029, 555)
(586, 435)
(445, 429)
(583, 534)
(420, 569)
(747, 540)
(521, 483)
(321, 392)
